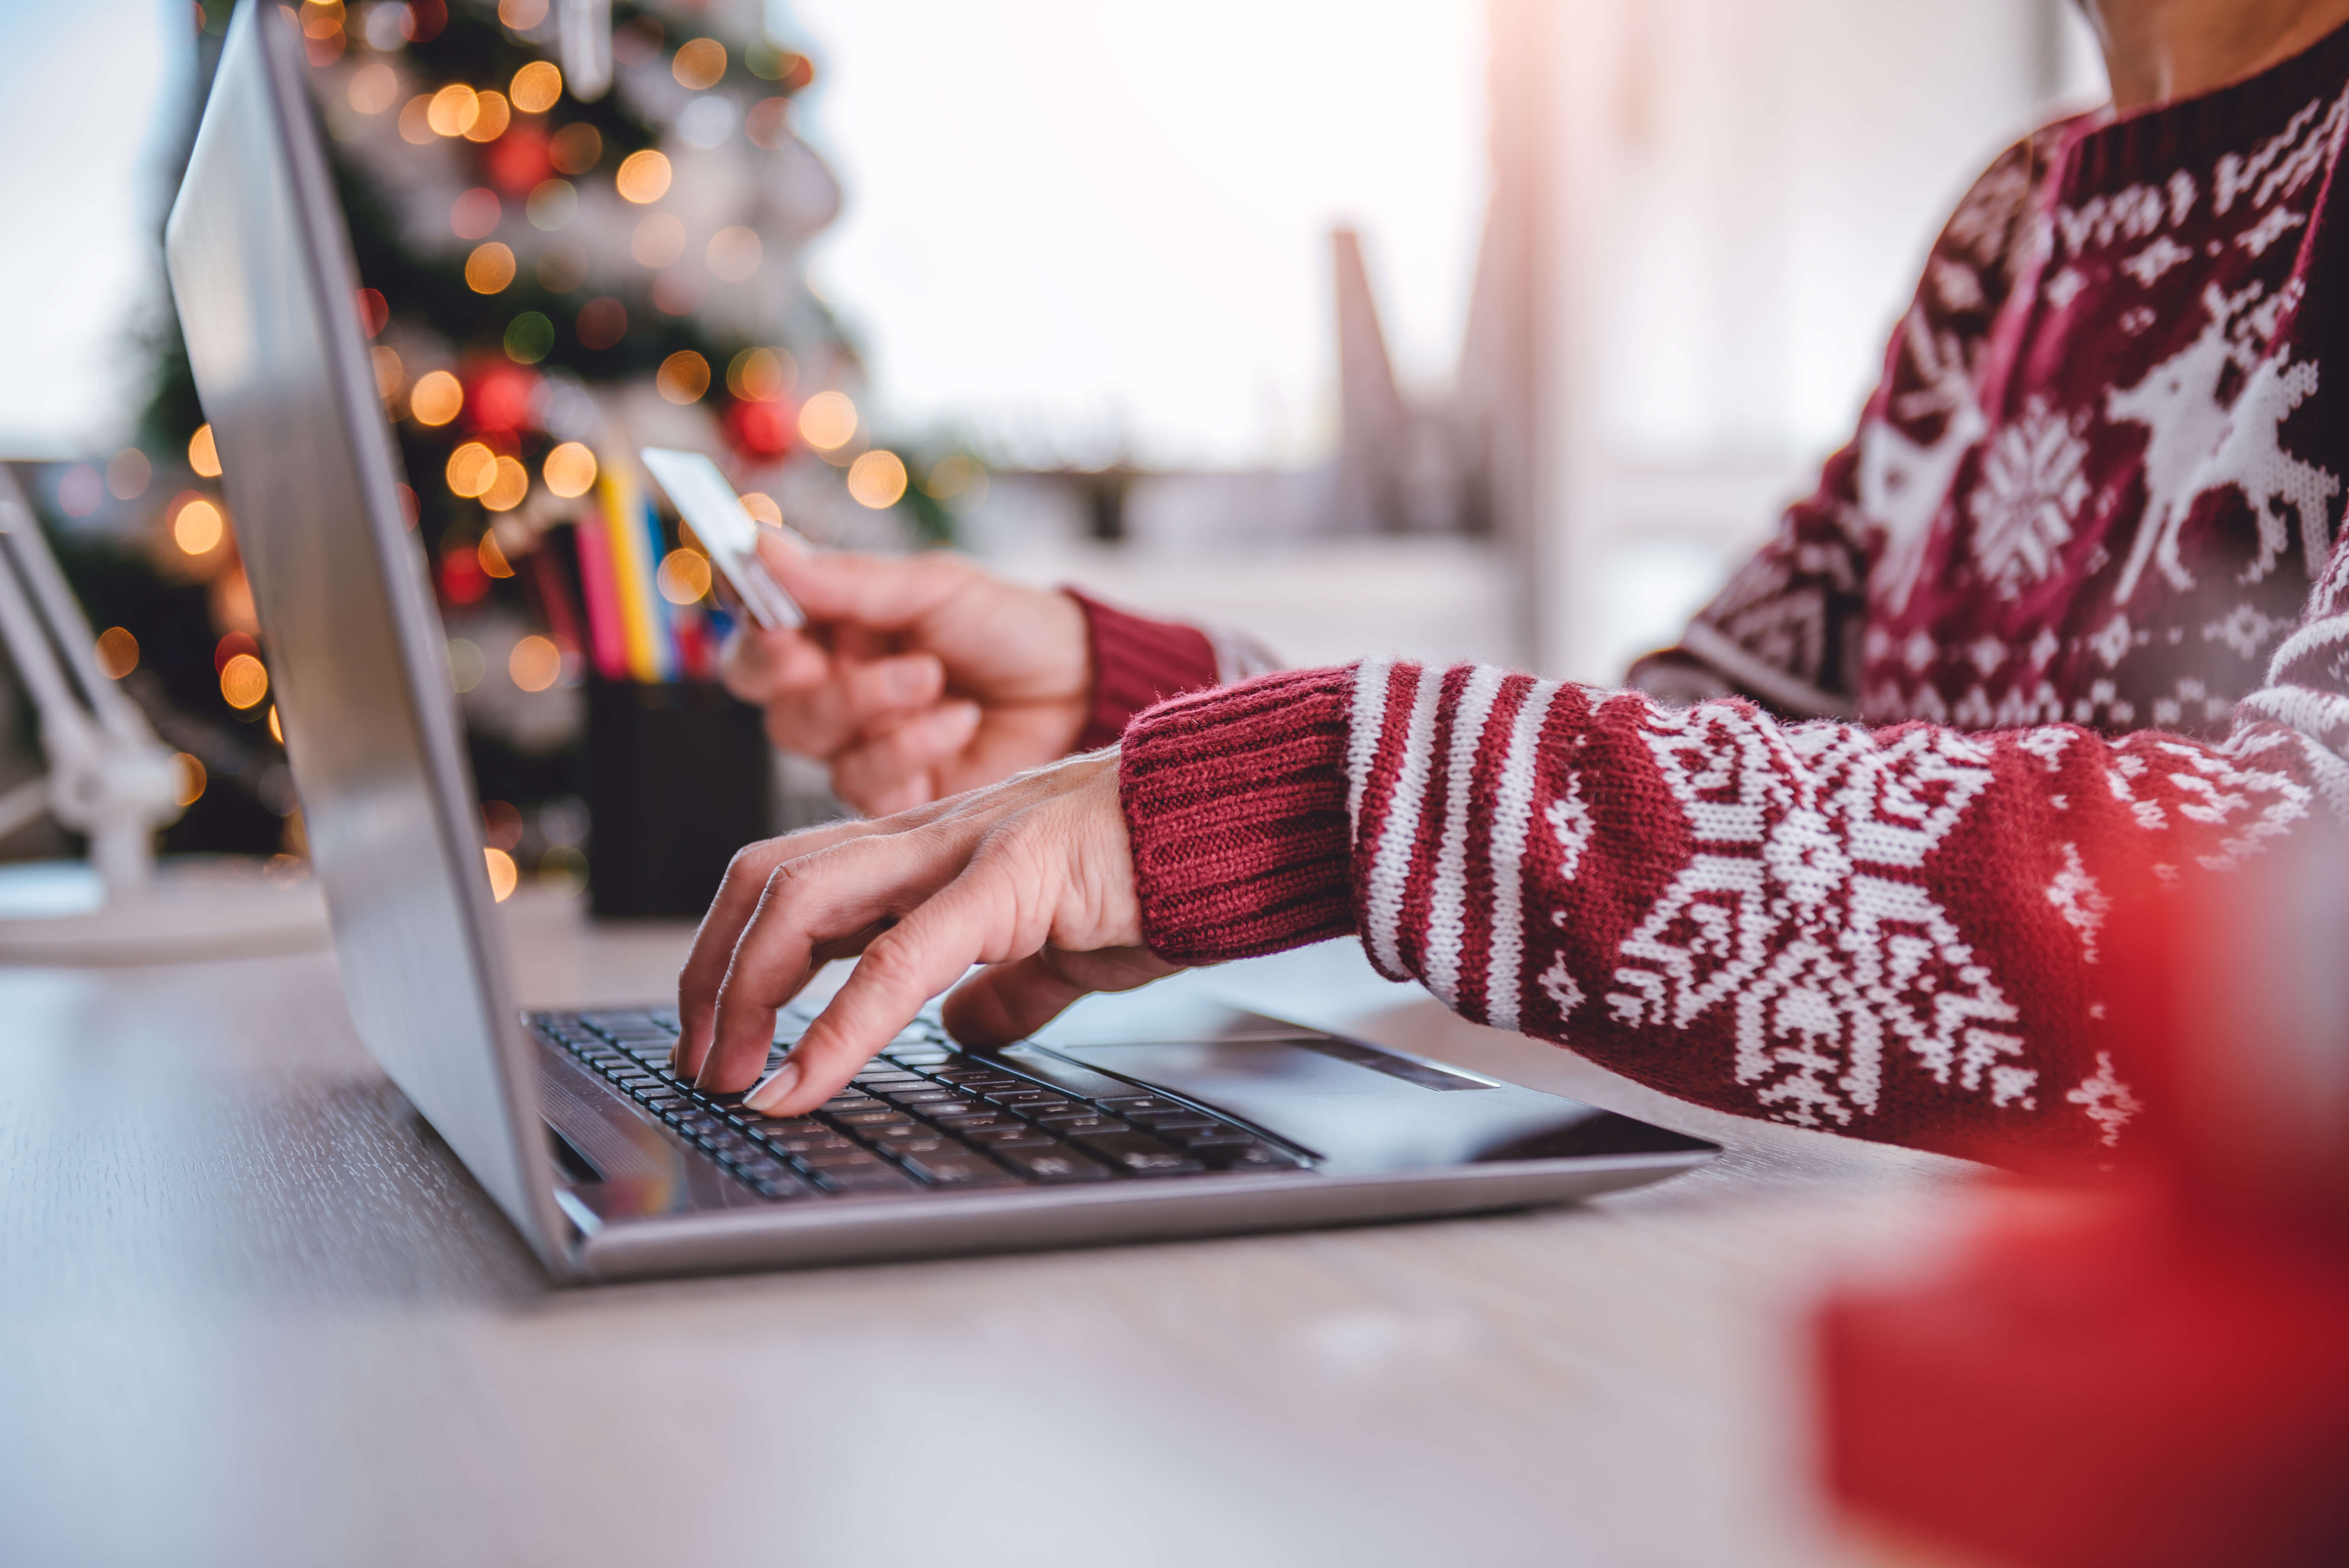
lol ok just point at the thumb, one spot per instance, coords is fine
(884, 592)
(1008, 1002)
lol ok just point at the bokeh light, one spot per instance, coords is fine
(552, 204)
(187, 780)
(470, 468)
(244, 681)
(128, 475)
(828, 421)
(197, 526)
(684, 377)
(80, 491)
(521, 15)
(415, 120)
(877, 479)
(734, 253)
(453, 109)
(509, 487)
(491, 556)
(529, 337)
(562, 268)
(761, 375)
(437, 397)
(489, 268)
(374, 87)
(490, 123)
(575, 148)
(537, 87)
(562, 871)
(375, 311)
(950, 475)
(466, 664)
(504, 873)
(768, 123)
(390, 375)
(535, 662)
(700, 64)
(569, 469)
(203, 456)
(118, 652)
(602, 322)
(684, 576)
(643, 177)
(761, 507)
(474, 215)
(276, 729)
(658, 239)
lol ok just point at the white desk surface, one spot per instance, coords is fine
(253, 1312)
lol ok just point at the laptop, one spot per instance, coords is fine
(1152, 1115)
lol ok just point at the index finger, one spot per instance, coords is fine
(883, 593)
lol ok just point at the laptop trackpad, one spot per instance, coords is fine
(1362, 1109)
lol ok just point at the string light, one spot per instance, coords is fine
(761, 375)
(197, 526)
(683, 577)
(828, 421)
(700, 64)
(575, 148)
(491, 122)
(470, 468)
(537, 87)
(643, 177)
(373, 87)
(203, 456)
(437, 397)
(535, 664)
(453, 109)
(530, 336)
(877, 479)
(684, 377)
(552, 204)
(118, 652)
(188, 780)
(493, 557)
(474, 215)
(504, 873)
(489, 268)
(509, 487)
(763, 507)
(390, 375)
(276, 731)
(950, 475)
(734, 254)
(521, 15)
(126, 475)
(658, 239)
(415, 120)
(244, 682)
(569, 469)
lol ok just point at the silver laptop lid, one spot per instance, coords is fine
(261, 267)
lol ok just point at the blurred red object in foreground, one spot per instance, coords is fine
(2155, 1375)
(499, 398)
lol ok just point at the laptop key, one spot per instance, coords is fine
(1138, 1154)
(1013, 1136)
(1251, 1156)
(1054, 1164)
(874, 1178)
(957, 1167)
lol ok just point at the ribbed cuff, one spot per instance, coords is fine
(1135, 664)
(1235, 803)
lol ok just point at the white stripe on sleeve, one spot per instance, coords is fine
(1513, 809)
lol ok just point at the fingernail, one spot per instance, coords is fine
(774, 1089)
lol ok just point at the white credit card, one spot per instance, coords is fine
(704, 499)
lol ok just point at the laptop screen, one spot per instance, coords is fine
(261, 269)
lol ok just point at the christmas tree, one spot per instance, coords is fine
(578, 229)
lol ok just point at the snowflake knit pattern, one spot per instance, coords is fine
(2063, 621)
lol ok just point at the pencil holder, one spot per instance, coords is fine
(678, 778)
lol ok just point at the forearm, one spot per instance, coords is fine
(1889, 934)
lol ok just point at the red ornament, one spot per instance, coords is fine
(462, 581)
(760, 429)
(518, 160)
(498, 397)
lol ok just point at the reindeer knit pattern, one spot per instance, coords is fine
(2062, 623)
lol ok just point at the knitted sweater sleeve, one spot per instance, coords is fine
(1892, 932)
(1137, 662)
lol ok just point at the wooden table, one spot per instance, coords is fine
(253, 1312)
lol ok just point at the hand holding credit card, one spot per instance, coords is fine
(705, 499)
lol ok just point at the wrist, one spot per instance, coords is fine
(1132, 664)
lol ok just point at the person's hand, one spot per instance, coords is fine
(918, 676)
(1033, 876)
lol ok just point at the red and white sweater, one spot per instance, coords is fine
(1846, 860)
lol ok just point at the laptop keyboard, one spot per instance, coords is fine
(923, 1115)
